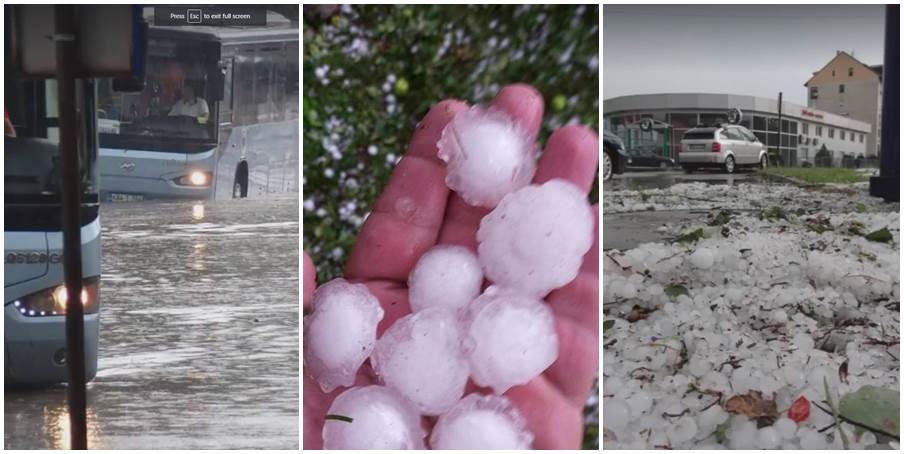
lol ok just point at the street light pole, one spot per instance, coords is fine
(887, 185)
(66, 38)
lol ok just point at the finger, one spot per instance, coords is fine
(406, 219)
(525, 105)
(571, 153)
(576, 308)
(309, 278)
(555, 422)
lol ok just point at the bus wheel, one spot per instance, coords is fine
(240, 184)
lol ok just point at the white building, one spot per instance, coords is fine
(804, 131)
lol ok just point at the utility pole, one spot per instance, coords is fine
(781, 157)
(67, 65)
(888, 184)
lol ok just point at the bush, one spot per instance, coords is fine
(372, 72)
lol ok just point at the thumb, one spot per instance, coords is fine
(309, 276)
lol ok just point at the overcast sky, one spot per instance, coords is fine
(745, 49)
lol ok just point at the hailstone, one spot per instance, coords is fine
(535, 239)
(511, 338)
(421, 356)
(372, 417)
(481, 422)
(445, 276)
(487, 155)
(340, 333)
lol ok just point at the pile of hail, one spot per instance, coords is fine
(501, 336)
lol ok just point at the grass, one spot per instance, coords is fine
(819, 175)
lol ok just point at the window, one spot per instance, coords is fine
(833, 73)
(793, 128)
(841, 88)
(852, 136)
(814, 92)
(841, 135)
(805, 127)
(819, 131)
(759, 123)
(850, 72)
(831, 133)
(861, 138)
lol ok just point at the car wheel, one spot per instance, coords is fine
(607, 166)
(729, 165)
(688, 169)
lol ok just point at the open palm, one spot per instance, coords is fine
(417, 211)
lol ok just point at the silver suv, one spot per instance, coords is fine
(726, 146)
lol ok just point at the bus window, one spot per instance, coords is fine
(175, 112)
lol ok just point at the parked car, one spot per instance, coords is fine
(727, 146)
(615, 158)
(649, 155)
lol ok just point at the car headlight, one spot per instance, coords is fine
(196, 178)
(52, 301)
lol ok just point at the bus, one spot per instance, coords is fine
(218, 117)
(34, 295)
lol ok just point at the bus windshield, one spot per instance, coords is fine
(175, 112)
(32, 164)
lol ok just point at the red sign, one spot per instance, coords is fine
(810, 113)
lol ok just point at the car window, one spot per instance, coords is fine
(746, 135)
(725, 135)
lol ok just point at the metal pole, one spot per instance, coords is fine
(780, 129)
(887, 185)
(67, 65)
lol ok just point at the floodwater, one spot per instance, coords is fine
(199, 333)
(653, 179)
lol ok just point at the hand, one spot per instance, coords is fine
(417, 211)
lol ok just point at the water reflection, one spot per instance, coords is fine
(197, 212)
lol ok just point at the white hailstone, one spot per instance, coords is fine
(780, 316)
(702, 258)
(803, 341)
(616, 414)
(446, 276)
(511, 338)
(340, 333)
(768, 438)
(380, 419)
(786, 428)
(487, 155)
(372, 150)
(640, 403)
(811, 439)
(481, 422)
(421, 357)
(535, 240)
(682, 431)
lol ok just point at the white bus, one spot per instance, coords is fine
(34, 295)
(218, 117)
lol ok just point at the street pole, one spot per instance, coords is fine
(780, 128)
(887, 185)
(67, 66)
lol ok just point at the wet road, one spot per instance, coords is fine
(650, 179)
(199, 333)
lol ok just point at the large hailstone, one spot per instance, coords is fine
(341, 332)
(445, 276)
(481, 422)
(536, 238)
(380, 419)
(421, 357)
(510, 339)
(487, 155)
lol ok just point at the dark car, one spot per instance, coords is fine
(615, 158)
(649, 156)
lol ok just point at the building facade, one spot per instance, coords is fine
(802, 133)
(847, 87)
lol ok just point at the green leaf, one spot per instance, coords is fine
(860, 208)
(607, 325)
(721, 432)
(690, 237)
(880, 236)
(675, 290)
(339, 418)
(873, 407)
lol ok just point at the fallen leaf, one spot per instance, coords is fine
(675, 290)
(800, 410)
(843, 372)
(752, 405)
(880, 236)
(873, 407)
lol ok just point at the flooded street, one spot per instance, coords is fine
(199, 333)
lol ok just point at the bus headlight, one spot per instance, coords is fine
(52, 301)
(196, 178)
